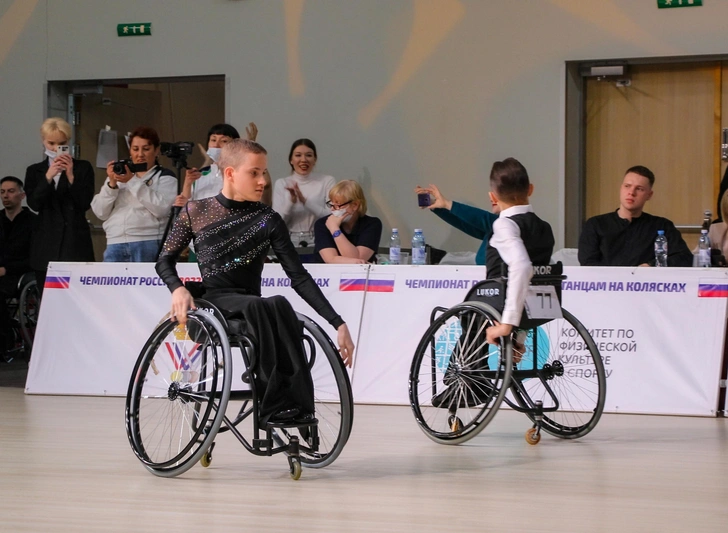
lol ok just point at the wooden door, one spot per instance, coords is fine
(668, 119)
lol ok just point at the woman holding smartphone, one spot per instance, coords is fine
(60, 190)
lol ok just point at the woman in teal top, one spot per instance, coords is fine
(471, 220)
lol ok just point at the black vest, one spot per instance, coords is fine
(537, 238)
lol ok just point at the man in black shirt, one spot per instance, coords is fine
(626, 236)
(17, 224)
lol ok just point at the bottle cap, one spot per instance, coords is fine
(418, 231)
(703, 231)
(660, 231)
(394, 230)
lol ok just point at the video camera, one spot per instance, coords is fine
(177, 151)
(121, 165)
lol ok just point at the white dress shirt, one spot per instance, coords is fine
(507, 240)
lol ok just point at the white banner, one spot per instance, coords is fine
(660, 331)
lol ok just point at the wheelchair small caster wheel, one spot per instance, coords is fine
(455, 423)
(533, 436)
(206, 459)
(295, 469)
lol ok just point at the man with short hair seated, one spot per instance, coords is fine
(626, 237)
(17, 224)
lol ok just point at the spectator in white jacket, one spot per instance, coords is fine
(301, 197)
(135, 206)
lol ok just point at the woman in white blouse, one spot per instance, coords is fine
(301, 197)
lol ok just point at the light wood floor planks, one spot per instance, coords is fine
(67, 466)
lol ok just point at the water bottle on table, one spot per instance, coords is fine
(661, 249)
(704, 249)
(395, 248)
(418, 248)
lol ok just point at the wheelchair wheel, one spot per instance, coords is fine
(457, 381)
(178, 393)
(570, 368)
(332, 396)
(28, 307)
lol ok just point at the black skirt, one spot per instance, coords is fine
(282, 377)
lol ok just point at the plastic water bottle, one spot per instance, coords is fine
(704, 249)
(707, 216)
(661, 249)
(394, 248)
(418, 248)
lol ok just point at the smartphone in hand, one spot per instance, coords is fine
(63, 149)
(423, 199)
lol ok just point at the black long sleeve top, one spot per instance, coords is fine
(18, 233)
(231, 241)
(609, 240)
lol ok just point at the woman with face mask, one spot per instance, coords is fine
(135, 206)
(301, 197)
(207, 181)
(348, 234)
(59, 189)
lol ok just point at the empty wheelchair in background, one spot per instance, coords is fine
(23, 309)
(183, 393)
(554, 374)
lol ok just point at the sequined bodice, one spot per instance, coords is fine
(231, 240)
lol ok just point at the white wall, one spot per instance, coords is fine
(471, 80)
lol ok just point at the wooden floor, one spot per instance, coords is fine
(67, 466)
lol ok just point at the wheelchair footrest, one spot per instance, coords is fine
(291, 424)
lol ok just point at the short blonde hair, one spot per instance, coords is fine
(233, 153)
(349, 191)
(54, 124)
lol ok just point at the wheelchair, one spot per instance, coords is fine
(182, 394)
(549, 369)
(23, 309)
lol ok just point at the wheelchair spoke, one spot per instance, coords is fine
(456, 377)
(570, 369)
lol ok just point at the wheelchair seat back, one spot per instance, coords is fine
(493, 291)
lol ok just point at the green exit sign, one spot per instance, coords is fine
(678, 3)
(134, 29)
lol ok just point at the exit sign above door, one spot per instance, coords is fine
(678, 3)
(134, 29)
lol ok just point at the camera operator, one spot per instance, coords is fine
(135, 202)
(207, 181)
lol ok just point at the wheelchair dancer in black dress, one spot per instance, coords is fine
(232, 233)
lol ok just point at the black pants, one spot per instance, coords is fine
(282, 377)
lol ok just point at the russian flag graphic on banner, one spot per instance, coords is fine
(713, 289)
(376, 283)
(57, 280)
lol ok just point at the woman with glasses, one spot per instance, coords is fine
(348, 234)
(300, 198)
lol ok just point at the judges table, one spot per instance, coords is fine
(660, 331)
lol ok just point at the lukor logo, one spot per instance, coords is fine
(543, 270)
(493, 291)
